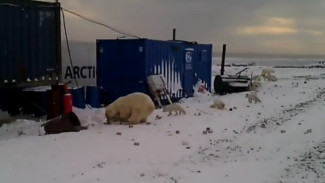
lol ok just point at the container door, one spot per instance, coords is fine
(188, 72)
(3, 53)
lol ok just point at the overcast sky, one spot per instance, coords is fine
(246, 26)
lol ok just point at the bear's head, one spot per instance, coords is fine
(110, 113)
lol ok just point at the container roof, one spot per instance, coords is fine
(25, 2)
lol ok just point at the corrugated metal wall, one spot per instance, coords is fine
(165, 58)
(30, 42)
(203, 55)
(123, 65)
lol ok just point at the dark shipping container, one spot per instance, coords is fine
(123, 66)
(30, 43)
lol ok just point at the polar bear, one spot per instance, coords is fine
(267, 71)
(177, 108)
(271, 78)
(134, 108)
(252, 97)
(253, 86)
(218, 104)
(257, 78)
(113, 111)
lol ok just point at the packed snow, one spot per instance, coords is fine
(281, 139)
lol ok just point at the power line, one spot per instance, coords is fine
(99, 23)
(68, 46)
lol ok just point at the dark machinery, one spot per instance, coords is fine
(231, 83)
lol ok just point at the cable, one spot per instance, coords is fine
(68, 47)
(95, 22)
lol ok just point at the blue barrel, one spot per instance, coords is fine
(93, 94)
(78, 97)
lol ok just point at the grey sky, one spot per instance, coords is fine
(246, 26)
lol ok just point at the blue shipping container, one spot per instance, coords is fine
(30, 42)
(123, 66)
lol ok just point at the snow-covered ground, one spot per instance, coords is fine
(281, 139)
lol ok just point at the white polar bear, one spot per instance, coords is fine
(253, 86)
(174, 108)
(134, 108)
(267, 71)
(252, 97)
(257, 78)
(218, 104)
(271, 78)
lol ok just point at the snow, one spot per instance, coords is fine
(280, 139)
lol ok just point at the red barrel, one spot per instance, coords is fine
(67, 103)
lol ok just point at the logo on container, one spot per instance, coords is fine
(188, 56)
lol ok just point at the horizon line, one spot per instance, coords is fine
(270, 55)
(247, 54)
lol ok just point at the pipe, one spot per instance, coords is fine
(223, 59)
(174, 34)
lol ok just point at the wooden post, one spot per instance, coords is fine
(223, 59)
